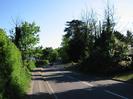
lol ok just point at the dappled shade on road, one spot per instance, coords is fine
(65, 84)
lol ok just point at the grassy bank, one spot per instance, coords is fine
(123, 76)
(128, 76)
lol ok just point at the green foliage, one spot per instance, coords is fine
(120, 36)
(45, 62)
(63, 54)
(49, 54)
(75, 38)
(53, 56)
(46, 56)
(13, 77)
(46, 53)
(109, 48)
(29, 64)
(25, 37)
(37, 51)
(42, 62)
(129, 37)
(97, 46)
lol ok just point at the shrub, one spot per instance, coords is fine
(29, 64)
(45, 62)
(13, 77)
(42, 62)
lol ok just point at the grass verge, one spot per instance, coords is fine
(128, 76)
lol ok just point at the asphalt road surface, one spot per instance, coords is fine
(55, 83)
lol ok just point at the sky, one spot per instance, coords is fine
(51, 15)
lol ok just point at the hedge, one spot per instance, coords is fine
(14, 78)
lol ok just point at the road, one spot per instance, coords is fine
(54, 83)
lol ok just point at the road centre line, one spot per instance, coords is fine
(112, 93)
(86, 83)
(49, 86)
(39, 86)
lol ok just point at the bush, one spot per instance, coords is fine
(29, 64)
(13, 77)
(42, 62)
(45, 62)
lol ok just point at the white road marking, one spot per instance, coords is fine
(32, 84)
(112, 93)
(86, 83)
(39, 82)
(51, 90)
(39, 86)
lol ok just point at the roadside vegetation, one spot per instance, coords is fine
(90, 44)
(96, 46)
(47, 56)
(17, 59)
(14, 79)
(126, 76)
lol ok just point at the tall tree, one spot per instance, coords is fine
(26, 37)
(75, 35)
(63, 51)
(91, 32)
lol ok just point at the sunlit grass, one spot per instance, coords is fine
(125, 76)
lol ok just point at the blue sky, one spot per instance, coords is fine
(51, 15)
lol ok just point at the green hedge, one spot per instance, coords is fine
(29, 64)
(14, 78)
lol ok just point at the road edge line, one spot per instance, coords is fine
(115, 94)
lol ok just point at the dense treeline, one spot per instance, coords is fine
(96, 45)
(17, 59)
(47, 56)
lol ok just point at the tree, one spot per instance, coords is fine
(91, 32)
(63, 50)
(109, 47)
(46, 53)
(25, 38)
(120, 36)
(37, 51)
(49, 54)
(75, 35)
(129, 37)
(53, 56)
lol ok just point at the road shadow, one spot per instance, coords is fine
(40, 95)
(60, 75)
(95, 92)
